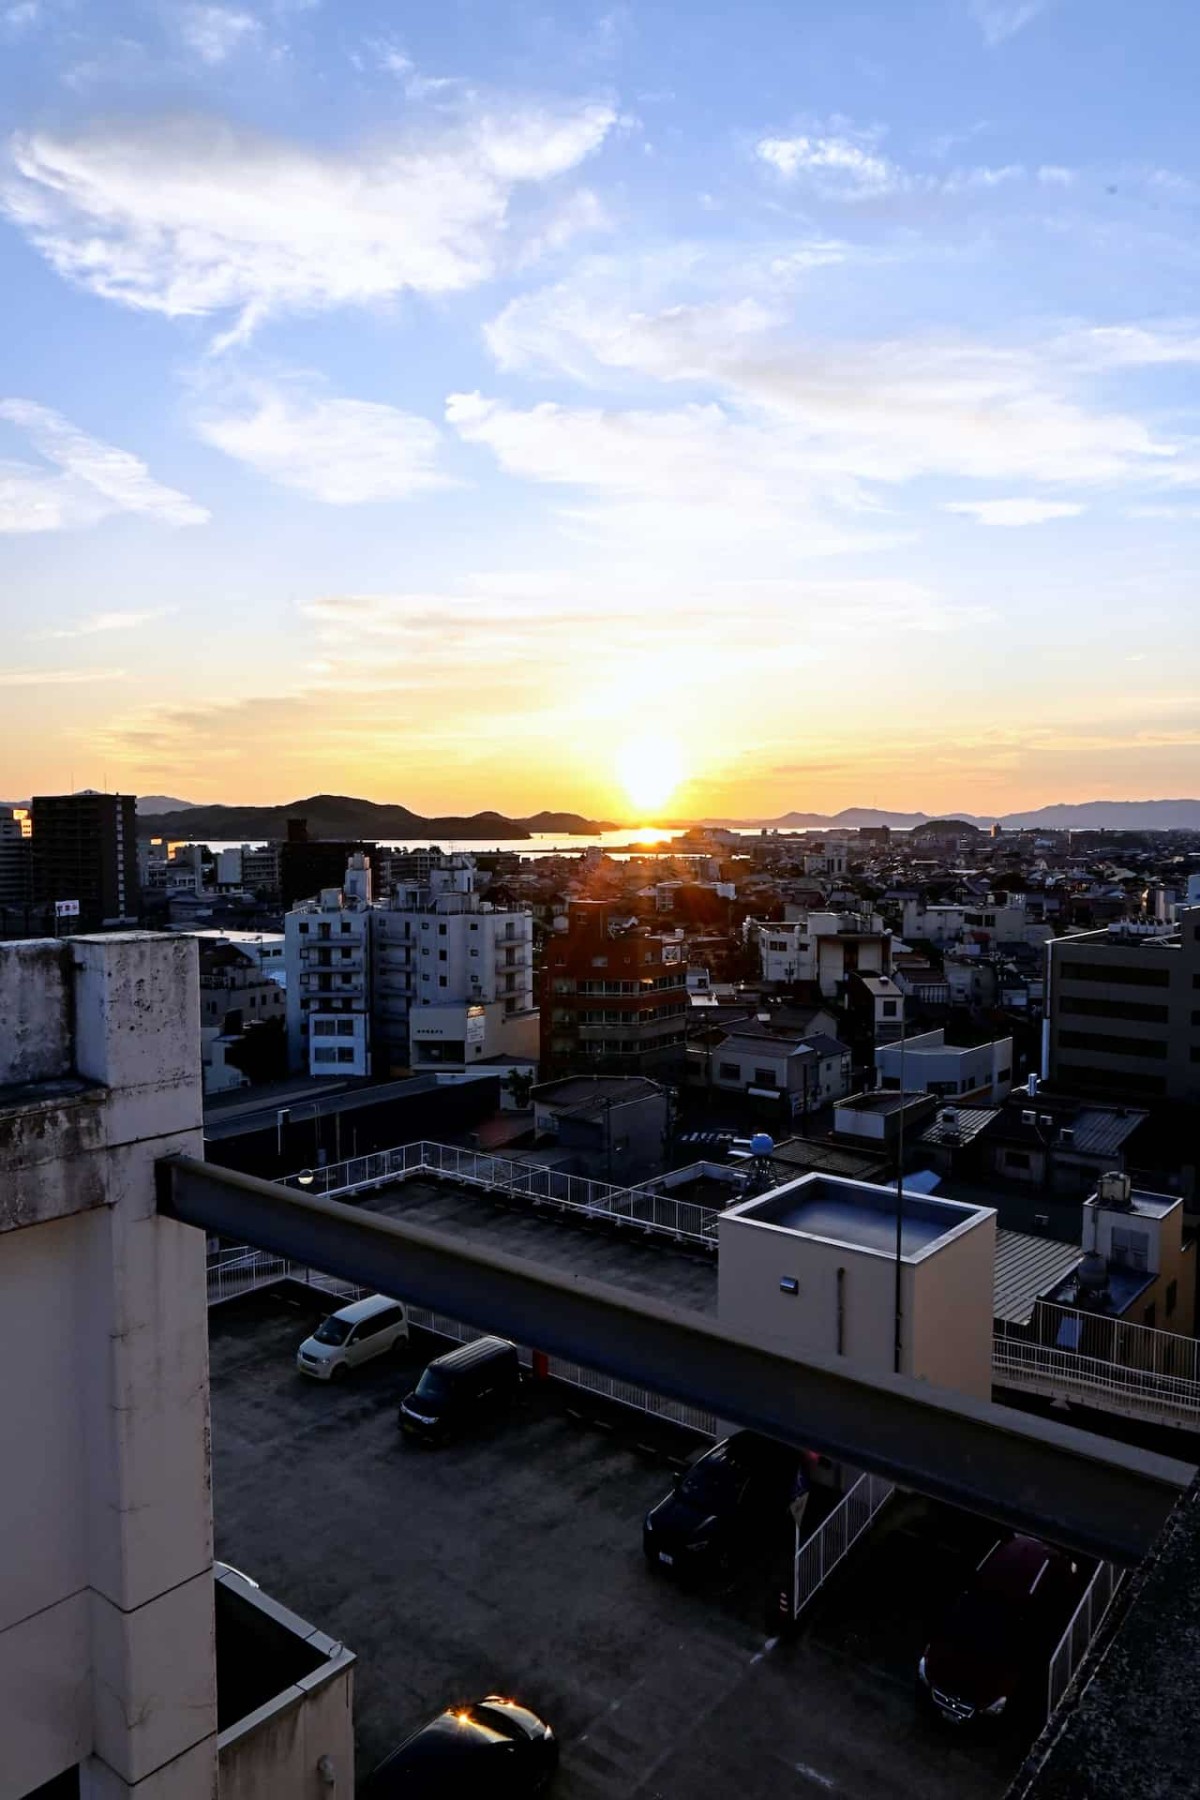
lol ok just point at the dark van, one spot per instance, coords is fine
(474, 1382)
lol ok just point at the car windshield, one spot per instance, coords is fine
(432, 1386)
(712, 1483)
(987, 1621)
(332, 1331)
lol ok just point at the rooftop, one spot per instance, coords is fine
(1028, 1269)
(860, 1215)
(581, 1093)
(970, 1122)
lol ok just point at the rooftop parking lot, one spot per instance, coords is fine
(514, 1562)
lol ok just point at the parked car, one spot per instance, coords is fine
(999, 1633)
(355, 1334)
(496, 1748)
(461, 1389)
(723, 1503)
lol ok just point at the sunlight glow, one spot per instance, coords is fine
(649, 769)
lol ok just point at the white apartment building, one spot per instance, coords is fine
(327, 954)
(978, 1073)
(431, 977)
(822, 947)
(994, 921)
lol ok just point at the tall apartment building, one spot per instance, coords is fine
(16, 856)
(85, 849)
(1123, 1012)
(614, 995)
(823, 947)
(432, 977)
(327, 954)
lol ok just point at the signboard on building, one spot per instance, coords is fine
(476, 1025)
(66, 909)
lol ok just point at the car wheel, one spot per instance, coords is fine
(339, 1372)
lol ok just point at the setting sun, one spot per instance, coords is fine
(649, 769)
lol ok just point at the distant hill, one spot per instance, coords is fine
(1111, 815)
(162, 803)
(341, 816)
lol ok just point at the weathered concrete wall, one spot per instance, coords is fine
(107, 1652)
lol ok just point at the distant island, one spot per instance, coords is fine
(1087, 815)
(341, 816)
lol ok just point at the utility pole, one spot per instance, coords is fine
(900, 1192)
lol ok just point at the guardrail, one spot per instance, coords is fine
(1076, 1640)
(644, 1208)
(1091, 1381)
(819, 1555)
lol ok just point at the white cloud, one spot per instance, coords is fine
(108, 621)
(340, 451)
(837, 167)
(1055, 175)
(1001, 19)
(1015, 512)
(193, 216)
(21, 16)
(17, 678)
(93, 479)
(215, 32)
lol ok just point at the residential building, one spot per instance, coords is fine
(999, 920)
(804, 1073)
(16, 856)
(824, 948)
(85, 851)
(328, 956)
(235, 995)
(615, 1127)
(979, 1074)
(875, 1007)
(260, 870)
(1059, 1144)
(1123, 1016)
(614, 994)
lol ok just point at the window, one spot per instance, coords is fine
(441, 931)
(1172, 1297)
(599, 962)
(729, 1071)
(1086, 1006)
(323, 1027)
(443, 981)
(1130, 1249)
(1122, 1080)
(324, 1053)
(345, 927)
(443, 956)
(889, 1009)
(1004, 1074)
(473, 926)
(1115, 974)
(1108, 1044)
(561, 985)
(304, 925)
(345, 1027)
(765, 1078)
(1016, 1159)
(345, 1053)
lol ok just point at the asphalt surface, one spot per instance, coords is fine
(513, 1562)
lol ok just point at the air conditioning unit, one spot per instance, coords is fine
(1115, 1189)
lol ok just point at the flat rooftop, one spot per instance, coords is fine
(859, 1215)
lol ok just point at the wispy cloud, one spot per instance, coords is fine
(22, 15)
(837, 166)
(344, 452)
(23, 678)
(1000, 20)
(215, 32)
(107, 621)
(1014, 512)
(194, 216)
(87, 479)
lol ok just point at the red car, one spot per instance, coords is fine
(999, 1633)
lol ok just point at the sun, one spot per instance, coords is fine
(650, 769)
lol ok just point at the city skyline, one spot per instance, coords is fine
(524, 409)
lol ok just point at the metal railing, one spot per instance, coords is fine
(1120, 1342)
(1076, 1640)
(644, 1208)
(819, 1556)
(1092, 1381)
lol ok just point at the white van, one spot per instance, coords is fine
(353, 1335)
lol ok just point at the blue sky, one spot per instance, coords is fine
(490, 404)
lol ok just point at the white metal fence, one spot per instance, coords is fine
(819, 1556)
(1121, 1342)
(1091, 1381)
(643, 1208)
(1085, 1622)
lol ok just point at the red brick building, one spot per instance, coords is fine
(614, 995)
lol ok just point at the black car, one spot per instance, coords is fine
(728, 1501)
(496, 1748)
(465, 1387)
(998, 1636)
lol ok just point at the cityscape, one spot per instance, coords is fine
(599, 901)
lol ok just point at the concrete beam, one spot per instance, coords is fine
(1035, 1474)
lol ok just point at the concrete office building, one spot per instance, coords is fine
(327, 954)
(85, 850)
(975, 1073)
(16, 856)
(108, 1609)
(1123, 1012)
(810, 1268)
(614, 995)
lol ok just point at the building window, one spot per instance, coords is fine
(473, 926)
(1016, 1159)
(729, 1071)
(345, 1027)
(889, 1009)
(1109, 1044)
(1130, 1249)
(345, 1053)
(323, 1027)
(1172, 1297)
(1116, 974)
(1085, 1006)
(765, 1078)
(441, 931)
(474, 952)
(324, 1054)
(443, 956)
(599, 962)
(443, 981)
(1004, 1075)
(345, 927)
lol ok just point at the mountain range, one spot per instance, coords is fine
(1102, 815)
(340, 816)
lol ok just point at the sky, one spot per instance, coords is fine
(692, 410)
